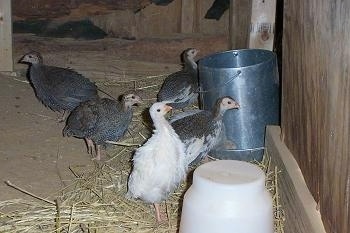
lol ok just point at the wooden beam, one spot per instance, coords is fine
(187, 16)
(6, 60)
(315, 117)
(198, 15)
(239, 23)
(299, 206)
(262, 24)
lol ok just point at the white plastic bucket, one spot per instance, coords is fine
(227, 196)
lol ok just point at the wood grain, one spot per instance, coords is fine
(262, 29)
(239, 23)
(315, 101)
(128, 18)
(51, 9)
(6, 60)
(154, 21)
(187, 16)
(297, 202)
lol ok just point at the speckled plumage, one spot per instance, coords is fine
(159, 165)
(180, 89)
(201, 130)
(101, 120)
(60, 89)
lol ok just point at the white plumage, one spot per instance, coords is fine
(159, 165)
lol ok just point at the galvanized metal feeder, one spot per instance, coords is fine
(251, 77)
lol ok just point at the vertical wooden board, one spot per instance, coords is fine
(197, 15)
(262, 24)
(303, 101)
(239, 23)
(187, 16)
(155, 20)
(6, 60)
(315, 101)
(119, 23)
(211, 26)
(335, 186)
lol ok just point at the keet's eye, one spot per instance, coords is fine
(229, 102)
(158, 110)
(133, 97)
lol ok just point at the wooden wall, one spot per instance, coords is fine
(128, 18)
(180, 16)
(316, 102)
(52, 9)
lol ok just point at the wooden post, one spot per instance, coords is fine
(187, 16)
(239, 24)
(262, 24)
(6, 60)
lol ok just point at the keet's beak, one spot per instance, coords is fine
(168, 108)
(237, 105)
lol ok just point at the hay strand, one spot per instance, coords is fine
(28, 193)
(123, 144)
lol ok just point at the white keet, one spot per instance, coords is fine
(159, 165)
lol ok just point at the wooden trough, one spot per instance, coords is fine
(299, 206)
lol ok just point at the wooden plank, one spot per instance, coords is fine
(303, 101)
(299, 206)
(53, 9)
(335, 182)
(6, 60)
(315, 101)
(211, 26)
(262, 24)
(239, 23)
(154, 20)
(187, 16)
(198, 16)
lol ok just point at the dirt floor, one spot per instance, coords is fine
(33, 153)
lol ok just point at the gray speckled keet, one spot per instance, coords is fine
(200, 130)
(180, 89)
(60, 89)
(101, 120)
